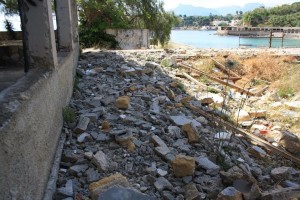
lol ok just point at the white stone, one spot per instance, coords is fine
(258, 127)
(276, 104)
(210, 167)
(242, 116)
(223, 136)
(81, 138)
(181, 120)
(162, 172)
(100, 160)
(294, 105)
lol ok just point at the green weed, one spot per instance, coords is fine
(285, 92)
(69, 115)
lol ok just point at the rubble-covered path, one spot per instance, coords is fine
(134, 139)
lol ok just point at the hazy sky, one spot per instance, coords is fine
(170, 4)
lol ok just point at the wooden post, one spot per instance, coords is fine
(239, 39)
(282, 39)
(270, 43)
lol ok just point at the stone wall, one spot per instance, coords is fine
(131, 38)
(30, 125)
(6, 35)
(11, 54)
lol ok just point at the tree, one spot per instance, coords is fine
(285, 16)
(9, 6)
(97, 15)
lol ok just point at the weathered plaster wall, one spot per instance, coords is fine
(30, 125)
(131, 38)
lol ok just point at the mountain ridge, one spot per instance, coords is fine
(190, 10)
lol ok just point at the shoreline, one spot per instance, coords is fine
(277, 51)
(291, 36)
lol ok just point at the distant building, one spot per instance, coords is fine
(218, 23)
(236, 22)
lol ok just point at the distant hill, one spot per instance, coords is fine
(190, 10)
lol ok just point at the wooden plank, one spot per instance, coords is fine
(259, 92)
(217, 80)
(198, 83)
(234, 129)
(224, 69)
(234, 79)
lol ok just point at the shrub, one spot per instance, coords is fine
(69, 115)
(285, 92)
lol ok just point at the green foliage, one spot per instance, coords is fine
(95, 36)
(185, 21)
(223, 24)
(9, 7)
(285, 92)
(221, 162)
(165, 63)
(212, 90)
(283, 16)
(98, 15)
(181, 87)
(10, 29)
(69, 115)
(256, 17)
(231, 64)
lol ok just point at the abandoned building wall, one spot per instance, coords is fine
(131, 38)
(29, 134)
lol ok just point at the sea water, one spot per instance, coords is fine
(209, 39)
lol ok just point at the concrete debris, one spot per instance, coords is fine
(183, 166)
(230, 193)
(82, 125)
(192, 133)
(210, 167)
(281, 173)
(134, 120)
(100, 160)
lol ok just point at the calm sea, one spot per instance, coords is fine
(209, 39)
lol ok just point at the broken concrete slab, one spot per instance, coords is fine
(82, 125)
(210, 167)
(281, 173)
(99, 187)
(66, 191)
(121, 193)
(180, 120)
(230, 193)
(162, 184)
(100, 160)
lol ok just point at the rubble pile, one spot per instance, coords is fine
(135, 138)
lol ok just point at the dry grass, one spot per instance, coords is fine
(280, 71)
(206, 65)
(289, 82)
(266, 67)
